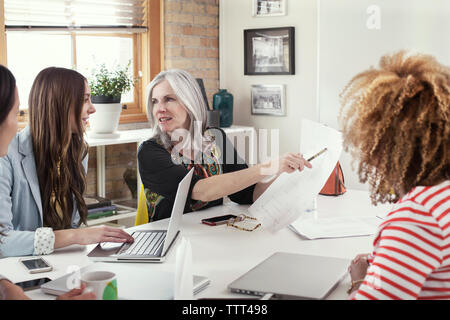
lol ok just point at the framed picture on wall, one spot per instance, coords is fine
(269, 51)
(267, 8)
(268, 99)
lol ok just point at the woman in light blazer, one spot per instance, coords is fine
(9, 107)
(42, 178)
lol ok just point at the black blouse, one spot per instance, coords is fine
(161, 174)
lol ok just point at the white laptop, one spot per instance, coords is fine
(133, 282)
(292, 276)
(148, 245)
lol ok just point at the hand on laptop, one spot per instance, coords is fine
(102, 234)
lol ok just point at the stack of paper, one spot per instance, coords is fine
(339, 227)
(290, 195)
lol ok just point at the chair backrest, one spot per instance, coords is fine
(142, 210)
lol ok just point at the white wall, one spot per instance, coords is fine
(235, 16)
(332, 43)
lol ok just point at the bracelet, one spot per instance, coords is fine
(354, 284)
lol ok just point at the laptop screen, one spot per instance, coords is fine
(292, 275)
(177, 210)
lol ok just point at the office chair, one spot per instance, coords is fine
(142, 210)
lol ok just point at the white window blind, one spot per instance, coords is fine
(79, 15)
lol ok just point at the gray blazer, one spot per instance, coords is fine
(20, 197)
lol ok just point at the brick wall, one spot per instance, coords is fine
(191, 32)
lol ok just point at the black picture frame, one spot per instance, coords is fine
(269, 51)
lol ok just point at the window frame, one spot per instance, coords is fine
(131, 107)
(148, 53)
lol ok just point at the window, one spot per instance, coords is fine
(81, 34)
(48, 50)
(81, 52)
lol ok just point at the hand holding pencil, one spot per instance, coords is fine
(289, 163)
(317, 154)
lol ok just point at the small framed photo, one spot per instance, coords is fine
(269, 51)
(268, 99)
(268, 8)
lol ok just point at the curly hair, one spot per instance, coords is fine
(395, 121)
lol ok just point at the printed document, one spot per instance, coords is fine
(292, 194)
(338, 227)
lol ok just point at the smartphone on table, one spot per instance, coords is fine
(35, 264)
(215, 221)
(32, 284)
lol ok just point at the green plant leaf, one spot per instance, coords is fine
(111, 82)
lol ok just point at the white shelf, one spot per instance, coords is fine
(125, 136)
(123, 212)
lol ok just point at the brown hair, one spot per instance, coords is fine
(7, 97)
(7, 92)
(396, 122)
(56, 94)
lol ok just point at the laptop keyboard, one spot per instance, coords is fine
(145, 243)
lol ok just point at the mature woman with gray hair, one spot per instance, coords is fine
(181, 141)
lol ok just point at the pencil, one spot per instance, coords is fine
(317, 154)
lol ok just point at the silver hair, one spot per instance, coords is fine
(189, 94)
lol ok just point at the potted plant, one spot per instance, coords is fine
(107, 87)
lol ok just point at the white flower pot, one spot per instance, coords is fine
(104, 121)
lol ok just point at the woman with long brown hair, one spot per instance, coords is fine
(9, 107)
(43, 174)
(397, 124)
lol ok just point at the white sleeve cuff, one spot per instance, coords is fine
(44, 241)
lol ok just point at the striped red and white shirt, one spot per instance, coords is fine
(411, 256)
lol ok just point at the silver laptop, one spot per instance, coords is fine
(292, 276)
(148, 245)
(133, 282)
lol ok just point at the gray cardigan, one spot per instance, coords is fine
(20, 197)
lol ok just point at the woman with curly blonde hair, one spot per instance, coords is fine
(396, 122)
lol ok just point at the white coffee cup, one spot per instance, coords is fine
(102, 283)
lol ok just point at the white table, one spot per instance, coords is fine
(224, 253)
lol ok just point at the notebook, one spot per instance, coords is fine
(292, 276)
(148, 245)
(133, 282)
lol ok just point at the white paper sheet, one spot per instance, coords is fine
(291, 194)
(339, 227)
(184, 279)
